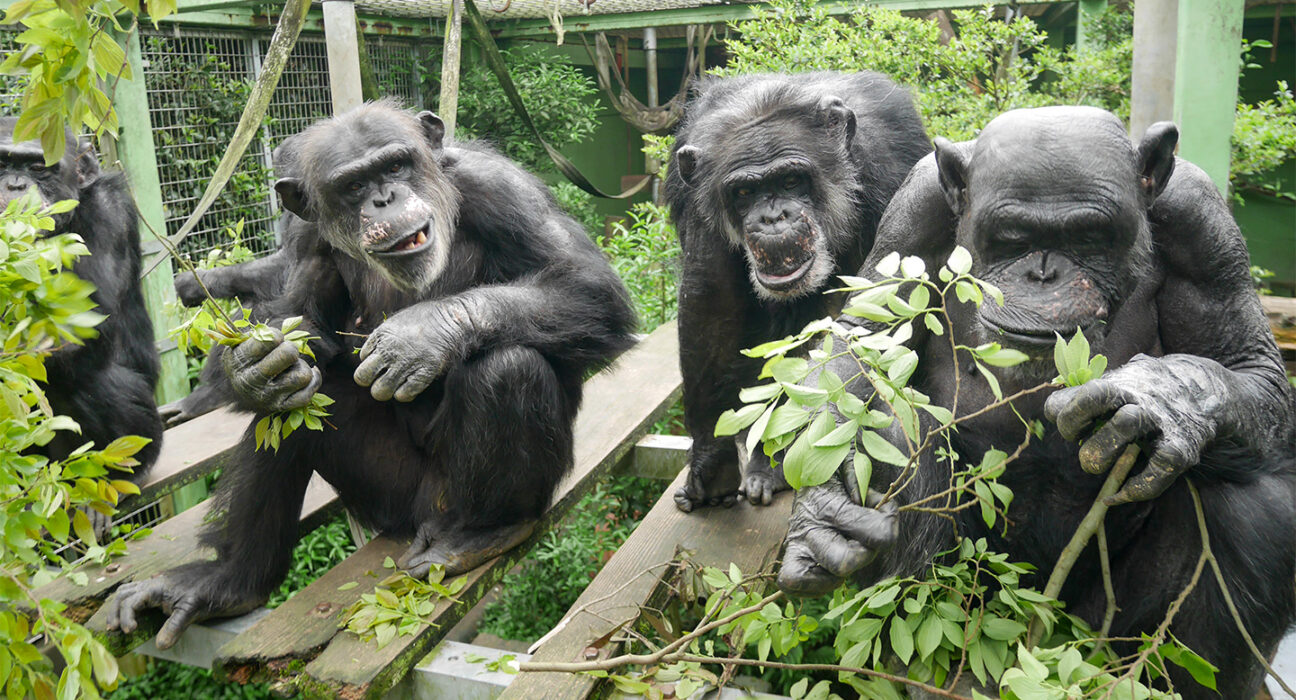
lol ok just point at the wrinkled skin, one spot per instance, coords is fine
(1079, 227)
(453, 340)
(776, 186)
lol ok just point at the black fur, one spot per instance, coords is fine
(1160, 282)
(105, 385)
(522, 308)
(856, 136)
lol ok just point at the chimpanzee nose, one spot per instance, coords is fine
(384, 197)
(1045, 273)
(774, 216)
(14, 184)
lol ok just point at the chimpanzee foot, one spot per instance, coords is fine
(174, 414)
(460, 550)
(761, 482)
(183, 603)
(717, 486)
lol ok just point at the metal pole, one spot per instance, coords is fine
(650, 64)
(1153, 83)
(343, 55)
(449, 103)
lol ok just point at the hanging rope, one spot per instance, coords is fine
(652, 120)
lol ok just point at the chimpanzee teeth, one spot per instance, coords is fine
(420, 239)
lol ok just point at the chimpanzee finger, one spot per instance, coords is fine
(839, 556)
(1075, 409)
(252, 350)
(800, 575)
(369, 369)
(181, 615)
(872, 528)
(303, 397)
(1130, 424)
(133, 599)
(413, 387)
(277, 361)
(850, 481)
(1160, 473)
(384, 387)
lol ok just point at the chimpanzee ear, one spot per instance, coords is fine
(686, 160)
(839, 118)
(87, 164)
(294, 198)
(434, 128)
(952, 164)
(1156, 159)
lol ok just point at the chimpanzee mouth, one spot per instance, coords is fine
(1038, 337)
(784, 280)
(406, 245)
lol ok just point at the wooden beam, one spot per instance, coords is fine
(1206, 83)
(636, 577)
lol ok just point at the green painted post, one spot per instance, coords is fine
(139, 161)
(1087, 12)
(1206, 82)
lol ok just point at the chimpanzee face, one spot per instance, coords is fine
(372, 181)
(1053, 203)
(23, 169)
(787, 200)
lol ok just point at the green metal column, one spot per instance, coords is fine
(138, 159)
(1087, 12)
(1206, 82)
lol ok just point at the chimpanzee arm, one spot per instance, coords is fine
(251, 282)
(558, 296)
(1221, 383)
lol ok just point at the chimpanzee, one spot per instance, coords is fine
(776, 187)
(482, 308)
(1080, 229)
(106, 384)
(254, 283)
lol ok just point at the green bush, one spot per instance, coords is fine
(645, 252)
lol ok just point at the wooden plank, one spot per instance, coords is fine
(658, 457)
(1282, 319)
(746, 535)
(192, 450)
(171, 544)
(620, 405)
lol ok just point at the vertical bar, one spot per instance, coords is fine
(1087, 13)
(343, 54)
(1206, 83)
(449, 103)
(1153, 84)
(651, 166)
(253, 44)
(138, 159)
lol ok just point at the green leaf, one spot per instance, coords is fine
(933, 324)
(889, 265)
(757, 394)
(730, 422)
(1001, 628)
(901, 639)
(807, 465)
(997, 356)
(790, 370)
(758, 428)
(840, 435)
(863, 467)
(960, 261)
(812, 397)
(991, 380)
(880, 449)
(928, 636)
(348, 586)
(785, 419)
(81, 526)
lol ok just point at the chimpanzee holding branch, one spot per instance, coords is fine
(481, 307)
(776, 187)
(1081, 229)
(106, 384)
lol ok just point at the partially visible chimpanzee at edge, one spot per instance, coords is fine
(484, 307)
(254, 283)
(105, 385)
(776, 186)
(1081, 229)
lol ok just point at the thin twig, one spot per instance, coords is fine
(1104, 560)
(1088, 526)
(1228, 598)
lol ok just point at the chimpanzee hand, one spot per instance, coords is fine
(183, 597)
(405, 354)
(270, 375)
(713, 476)
(830, 536)
(1174, 403)
(188, 291)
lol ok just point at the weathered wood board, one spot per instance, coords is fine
(172, 543)
(192, 450)
(746, 535)
(619, 406)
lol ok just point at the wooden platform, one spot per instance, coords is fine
(299, 642)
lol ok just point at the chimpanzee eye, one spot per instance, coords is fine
(791, 182)
(743, 192)
(396, 167)
(354, 186)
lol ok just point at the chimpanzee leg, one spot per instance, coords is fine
(260, 497)
(503, 440)
(108, 404)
